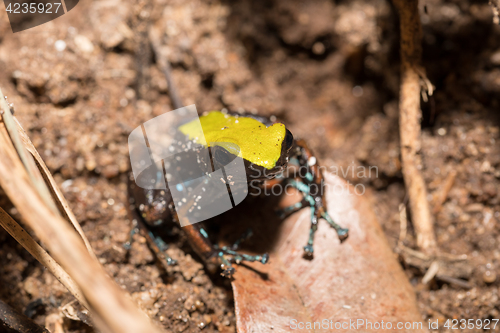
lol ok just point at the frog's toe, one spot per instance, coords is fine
(308, 250)
(343, 234)
(170, 261)
(227, 271)
(264, 258)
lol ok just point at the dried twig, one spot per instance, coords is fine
(409, 122)
(443, 266)
(11, 130)
(61, 202)
(12, 321)
(441, 196)
(403, 222)
(112, 310)
(413, 79)
(23, 238)
(431, 272)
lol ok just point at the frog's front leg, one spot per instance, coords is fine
(156, 243)
(149, 209)
(309, 181)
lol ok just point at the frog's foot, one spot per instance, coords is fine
(342, 233)
(228, 255)
(316, 212)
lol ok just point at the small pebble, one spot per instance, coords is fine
(318, 48)
(84, 44)
(357, 91)
(60, 45)
(489, 277)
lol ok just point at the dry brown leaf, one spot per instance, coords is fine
(358, 279)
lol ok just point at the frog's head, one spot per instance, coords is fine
(257, 171)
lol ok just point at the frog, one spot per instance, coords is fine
(269, 151)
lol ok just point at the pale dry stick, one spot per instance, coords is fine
(433, 265)
(10, 126)
(13, 321)
(433, 269)
(431, 272)
(442, 195)
(59, 198)
(26, 241)
(409, 123)
(39, 174)
(403, 222)
(112, 310)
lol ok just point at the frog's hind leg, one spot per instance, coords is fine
(228, 254)
(219, 256)
(239, 257)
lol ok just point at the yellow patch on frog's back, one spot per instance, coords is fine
(257, 143)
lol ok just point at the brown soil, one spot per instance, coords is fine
(329, 69)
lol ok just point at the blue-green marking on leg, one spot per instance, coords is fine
(239, 257)
(204, 233)
(341, 232)
(304, 188)
(309, 176)
(133, 231)
(282, 213)
(309, 249)
(246, 235)
(227, 269)
(159, 242)
(162, 246)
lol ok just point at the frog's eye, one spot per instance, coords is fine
(288, 140)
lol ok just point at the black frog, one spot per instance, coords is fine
(267, 149)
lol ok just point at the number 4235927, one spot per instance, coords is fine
(33, 7)
(485, 324)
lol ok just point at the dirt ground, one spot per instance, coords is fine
(328, 69)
